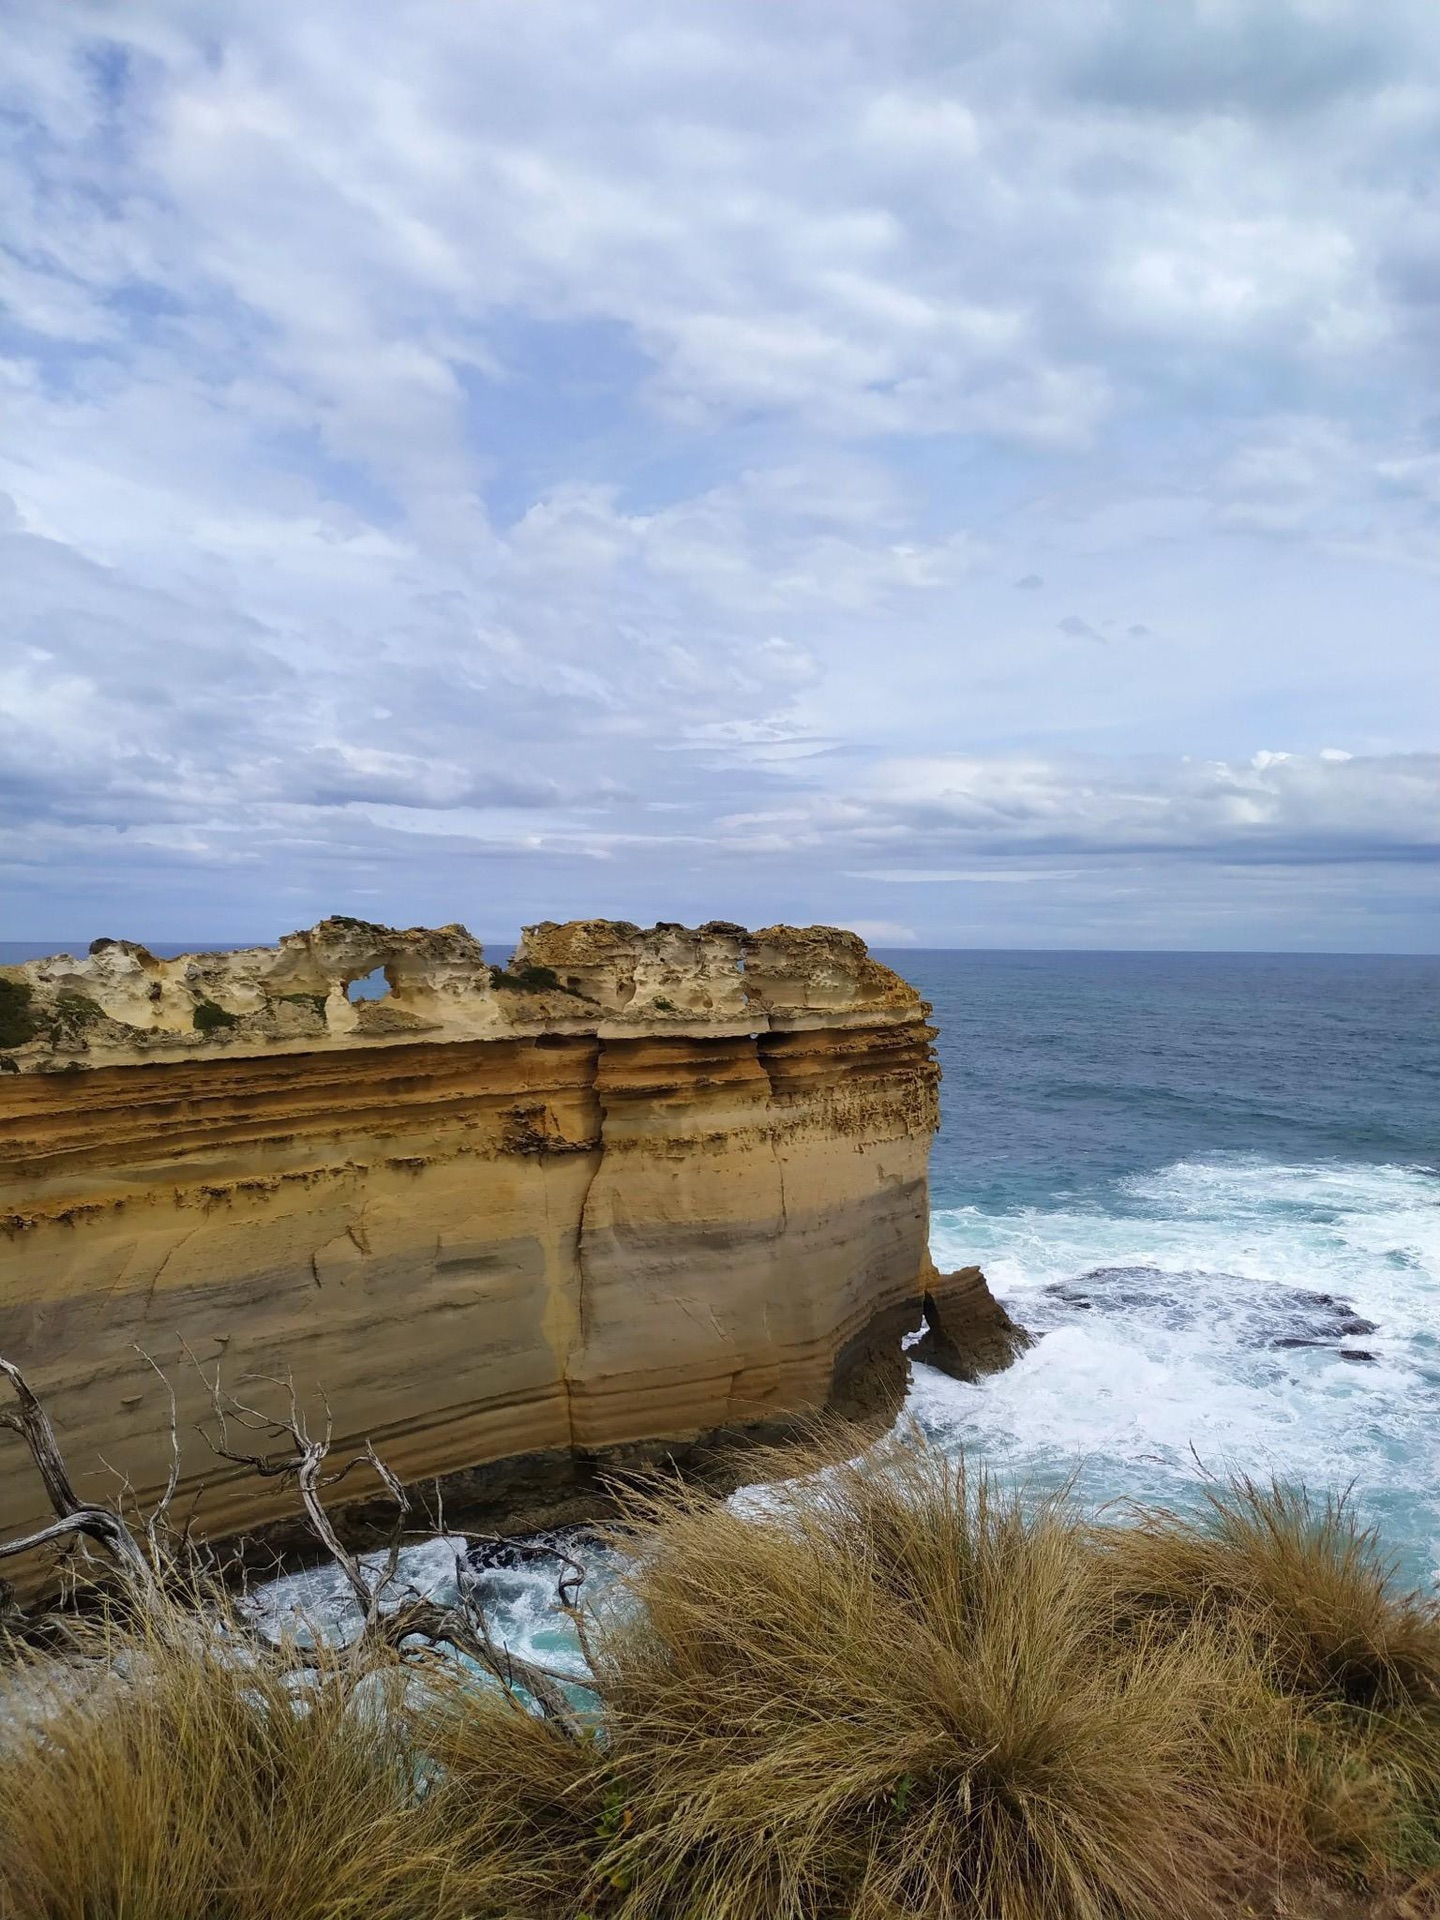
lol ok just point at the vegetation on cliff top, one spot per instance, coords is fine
(21, 1021)
(532, 979)
(17, 1023)
(208, 1017)
(892, 1689)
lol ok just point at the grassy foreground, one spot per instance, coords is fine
(893, 1691)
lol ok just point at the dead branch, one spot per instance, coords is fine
(465, 1630)
(73, 1516)
(30, 1420)
(463, 1627)
(95, 1523)
(389, 1621)
(305, 1463)
(159, 1514)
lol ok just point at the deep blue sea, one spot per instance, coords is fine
(1210, 1184)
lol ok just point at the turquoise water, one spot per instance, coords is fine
(1209, 1184)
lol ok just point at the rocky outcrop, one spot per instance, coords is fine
(967, 1332)
(120, 1005)
(634, 1189)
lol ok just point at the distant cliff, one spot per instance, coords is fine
(638, 1189)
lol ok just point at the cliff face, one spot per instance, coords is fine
(639, 1188)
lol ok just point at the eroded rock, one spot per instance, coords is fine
(119, 1004)
(968, 1334)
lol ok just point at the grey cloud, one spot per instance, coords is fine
(343, 776)
(1079, 629)
(1276, 807)
(1280, 58)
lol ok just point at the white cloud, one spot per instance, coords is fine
(589, 432)
(972, 876)
(884, 933)
(1276, 806)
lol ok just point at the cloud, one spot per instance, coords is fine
(1275, 806)
(970, 876)
(884, 933)
(1283, 59)
(1078, 629)
(473, 452)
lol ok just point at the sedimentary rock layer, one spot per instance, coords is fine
(635, 1188)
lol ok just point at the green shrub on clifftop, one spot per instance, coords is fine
(528, 980)
(209, 1018)
(17, 1023)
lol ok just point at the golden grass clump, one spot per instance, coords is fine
(173, 1772)
(896, 1691)
(888, 1689)
(1318, 1608)
(528, 1806)
(1311, 1585)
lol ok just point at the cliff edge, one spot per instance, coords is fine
(634, 1189)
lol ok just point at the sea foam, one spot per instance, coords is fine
(1219, 1315)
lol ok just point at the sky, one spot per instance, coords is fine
(970, 473)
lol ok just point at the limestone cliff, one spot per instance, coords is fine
(636, 1188)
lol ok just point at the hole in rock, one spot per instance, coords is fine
(374, 986)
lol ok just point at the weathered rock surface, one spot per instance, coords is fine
(121, 1005)
(967, 1332)
(637, 1188)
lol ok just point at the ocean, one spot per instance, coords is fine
(1210, 1186)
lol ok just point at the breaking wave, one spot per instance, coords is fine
(1221, 1314)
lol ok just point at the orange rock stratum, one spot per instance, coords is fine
(642, 1188)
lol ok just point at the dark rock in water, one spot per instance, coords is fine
(497, 1554)
(1319, 1320)
(1260, 1315)
(967, 1332)
(1341, 1317)
(503, 1556)
(1356, 1353)
(1115, 1287)
(539, 1553)
(1164, 1299)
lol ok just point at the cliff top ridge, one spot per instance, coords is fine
(120, 1004)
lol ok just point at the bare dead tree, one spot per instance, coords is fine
(391, 1616)
(159, 1515)
(304, 1463)
(396, 1620)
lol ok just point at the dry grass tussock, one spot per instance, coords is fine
(892, 1690)
(165, 1772)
